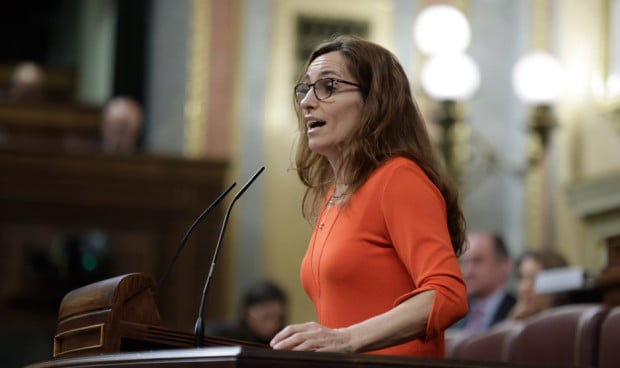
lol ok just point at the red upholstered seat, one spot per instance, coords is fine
(494, 345)
(609, 343)
(562, 336)
(454, 339)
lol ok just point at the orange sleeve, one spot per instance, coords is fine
(415, 216)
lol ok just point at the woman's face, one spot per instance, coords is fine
(266, 319)
(532, 302)
(330, 121)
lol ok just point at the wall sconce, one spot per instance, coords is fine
(538, 80)
(442, 33)
(450, 79)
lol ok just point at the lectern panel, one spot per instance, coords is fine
(248, 357)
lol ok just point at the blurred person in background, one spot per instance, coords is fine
(262, 315)
(27, 82)
(528, 266)
(121, 125)
(486, 268)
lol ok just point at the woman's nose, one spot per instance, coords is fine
(309, 99)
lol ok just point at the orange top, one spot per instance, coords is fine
(387, 244)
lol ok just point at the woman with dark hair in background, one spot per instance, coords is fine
(262, 315)
(528, 266)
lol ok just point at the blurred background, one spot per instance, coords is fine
(522, 98)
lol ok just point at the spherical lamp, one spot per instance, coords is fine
(450, 77)
(441, 28)
(538, 78)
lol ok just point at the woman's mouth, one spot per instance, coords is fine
(315, 124)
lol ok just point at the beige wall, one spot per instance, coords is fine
(588, 146)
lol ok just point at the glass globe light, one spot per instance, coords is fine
(538, 78)
(441, 28)
(450, 77)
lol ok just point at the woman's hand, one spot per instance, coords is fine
(400, 324)
(312, 336)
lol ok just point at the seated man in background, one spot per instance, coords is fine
(528, 266)
(27, 82)
(486, 268)
(262, 315)
(121, 125)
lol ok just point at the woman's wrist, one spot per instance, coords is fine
(350, 341)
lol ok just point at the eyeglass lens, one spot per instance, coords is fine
(323, 88)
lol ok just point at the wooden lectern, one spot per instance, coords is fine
(115, 315)
(247, 357)
(115, 323)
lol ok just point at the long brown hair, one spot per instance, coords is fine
(391, 126)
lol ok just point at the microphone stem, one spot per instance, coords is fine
(198, 332)
(199, 327)
(189, 231)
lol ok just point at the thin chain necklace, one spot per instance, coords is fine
(333, 201)
(324, 214)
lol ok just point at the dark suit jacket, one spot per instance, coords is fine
(508, 301)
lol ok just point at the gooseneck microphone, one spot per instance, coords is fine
(189, 231)
(199, 327)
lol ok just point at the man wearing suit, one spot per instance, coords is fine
(486, 268)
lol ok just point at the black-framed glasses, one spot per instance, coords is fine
(323, 88)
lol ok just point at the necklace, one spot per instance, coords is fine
(324, 214)
(333, 200)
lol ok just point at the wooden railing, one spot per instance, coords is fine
(145, 203)
(50, 127)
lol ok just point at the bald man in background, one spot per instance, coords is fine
(121, 125)
(486, 268)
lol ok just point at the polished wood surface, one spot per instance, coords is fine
(119, 314)
(90, 318)
(242, 357)
(150, 198)
(128, 295)
(50, 127)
